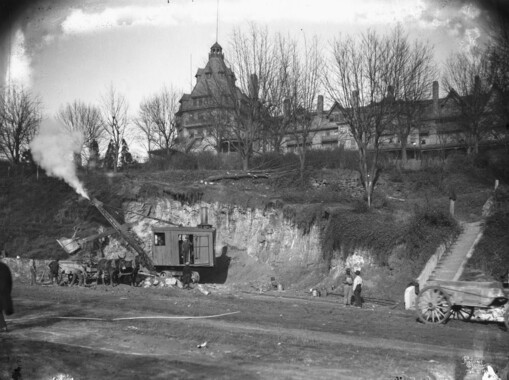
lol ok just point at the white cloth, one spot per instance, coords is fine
(357, 281)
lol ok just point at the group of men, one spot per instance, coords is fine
(75, 272)
(352, 286)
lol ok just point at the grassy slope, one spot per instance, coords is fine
(490, 259)
(35, 213)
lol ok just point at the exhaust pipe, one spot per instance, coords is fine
(204, 215)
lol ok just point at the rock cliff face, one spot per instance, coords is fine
(266, 236)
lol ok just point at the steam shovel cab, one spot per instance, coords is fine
(172, 247)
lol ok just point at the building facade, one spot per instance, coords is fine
(205, 116)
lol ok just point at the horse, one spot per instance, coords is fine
(130, 268)
(110, 266)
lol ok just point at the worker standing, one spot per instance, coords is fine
(54, 268)
(347, 287)
(357, 288)
(33, 272)
(186, 249)
(187, 276)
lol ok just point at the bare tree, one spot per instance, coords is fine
(304, 87)
(144, 125)
(467, 79)
(20, 116)
(253, 62)
(415, 65)
(360, 79)
(278, 124)
(83, 118)
(499, 74)
(160, 110)
(219, 130)
(114, 113)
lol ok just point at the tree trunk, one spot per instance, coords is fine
(115, 158)
(404, 157)
(245, 163)
(302, 158)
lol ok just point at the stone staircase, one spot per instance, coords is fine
(451, 264)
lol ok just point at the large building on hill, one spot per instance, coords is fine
(440, 127)
(205, 116)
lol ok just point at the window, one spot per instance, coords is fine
(159, 239)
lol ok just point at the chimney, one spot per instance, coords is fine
(355, 98)
(204, 217)
(435, 98)
(253, 86)
(390, 92)
(319, 105)
(286, 107)
(477, 85)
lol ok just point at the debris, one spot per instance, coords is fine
(203, 345)
(202, 289)
(490, 374)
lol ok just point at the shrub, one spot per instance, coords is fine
(427, 229)
(208, 160)
(273, 160)
(491, 254)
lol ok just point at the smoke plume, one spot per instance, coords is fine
(54, 148)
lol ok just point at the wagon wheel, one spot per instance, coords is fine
(433, 305)
(462, 313)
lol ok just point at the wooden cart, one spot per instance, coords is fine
(442, 299)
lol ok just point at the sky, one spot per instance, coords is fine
(66, 50)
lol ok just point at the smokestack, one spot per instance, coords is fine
(286, 107)
(253, 86)
(204, 216)
(435, 98)
(319, 105)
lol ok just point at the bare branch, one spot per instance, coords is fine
(20, 116)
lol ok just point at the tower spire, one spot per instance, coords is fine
(217, 20)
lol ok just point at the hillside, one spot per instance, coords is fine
(408, 204)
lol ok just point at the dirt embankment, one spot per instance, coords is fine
(37, 212)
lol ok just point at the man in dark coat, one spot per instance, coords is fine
(53, 268)
(187, 276)
(5, 294)
(357, 288)
(186, 249)
(347, 287)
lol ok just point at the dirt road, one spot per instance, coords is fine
(137, 333)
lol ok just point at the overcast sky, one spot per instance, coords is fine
(74, 49)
